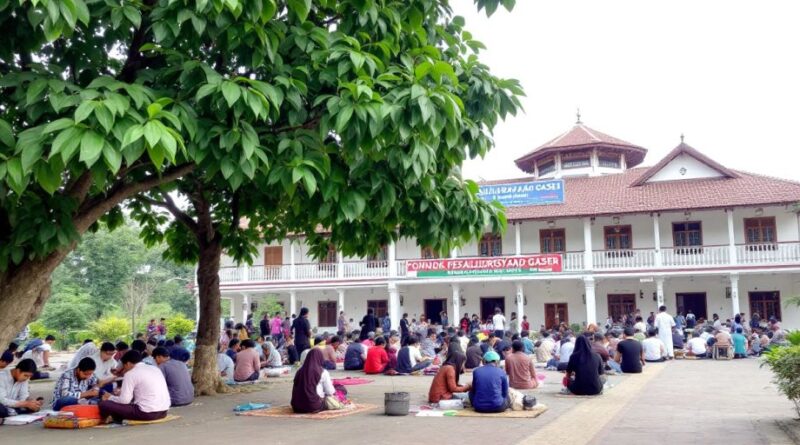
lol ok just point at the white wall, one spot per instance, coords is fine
(694, 169)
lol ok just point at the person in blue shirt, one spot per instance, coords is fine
(527, 342)
(489, 392)
(739, 344)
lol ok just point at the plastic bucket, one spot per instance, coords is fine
(396, 403)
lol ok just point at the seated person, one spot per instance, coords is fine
(600, 348)
(474, 353)
(723, 341)
(446, 381)
(584, 370)
(377, 358)
(179, 382)
(544, 351)
(739, 343)
(225, 366)
(527, 342)
(105, 366)
(654, 350)
(77, 386)
(489, 391)
(291, 349)
(355, 355)
(143, 396)
(409, 359)
(677, 339)
(329, 352)
(39, 352)
(179, 351)
(248, 364)
(429, 344)
(273, 356)
(233, 348)
(519, 367)
(561, 359)
(312, 384)
(14, 393)
(121, 348)
(630, 354)
(370, 340)
(697, 347)
(6, 359)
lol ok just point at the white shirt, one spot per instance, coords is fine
(653, 348)
(499, 322)
(640, 326)
(565, 352)
(225, 364)
(414, 356)
(37, 354)
(325, 385)
(696, 345)
(86, 350)
(11, 392)
(145, 387)
(103, 368)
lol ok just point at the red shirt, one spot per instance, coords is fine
(377, 358)
(526, 326)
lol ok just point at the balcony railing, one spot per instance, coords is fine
(698, 257)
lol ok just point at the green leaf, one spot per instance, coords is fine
(426, 108)
(301, 8)
(82, 11)
(156, 155)
(30, 154)
(441, 68)
(227, 167)
(417, 91)
(133, 15)
(14, 167)
(35, 89)
(91, 147)
(48, 177)
(84, 110)
(152, 133)
(133, 134)
(104, 116)
(232, 92)
(309, 181)
(58, 124)
(112, 157)
(422, 70)
(66, 143)
(357, 59)
(6, 134)
(343, 117)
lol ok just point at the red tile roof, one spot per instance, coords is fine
(615, 194)
(684, 148)
(581, 136)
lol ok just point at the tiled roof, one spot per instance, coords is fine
(581, 136)
(684, 148)
(616, 194)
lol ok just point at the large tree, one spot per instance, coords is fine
(386, 101)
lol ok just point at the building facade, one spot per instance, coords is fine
(686, 232)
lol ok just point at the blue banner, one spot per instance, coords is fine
(524, 193)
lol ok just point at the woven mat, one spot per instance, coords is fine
(286, 411)
(169, 418)
(352, 381)
(536, 411)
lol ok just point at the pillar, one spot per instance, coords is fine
(455, 317)
(339, 265)
(518, 244)
(520, 306)
(245, 270)
(659, 292)
(731, 237)
(735, 294)
(657, 239)
(292, 267)
(292, 303)
(587, 244)
(341, 299)
(591, 304)
(245, 307)
(234, 302)
(392, 258)
(394, 305)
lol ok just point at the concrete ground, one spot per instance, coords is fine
(677, 402)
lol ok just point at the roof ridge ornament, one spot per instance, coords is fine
(578, 114)
(681, 138)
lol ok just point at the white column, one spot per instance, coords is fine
(292, 303)
(735, 294)
(591, 304)
(341, 299)
(234, 301)
(657, 238)
(245, 307)
(292, 267)
(660, 293)
(245, 269)
(518, 245)
(392, 254)
(520, 306)
(339, 264)
(731, 237)
(587, 244)
(394, 305)
(456, 315)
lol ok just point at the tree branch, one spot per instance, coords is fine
(80, 187)
(169, 204)
(311, 123)
(135, 59)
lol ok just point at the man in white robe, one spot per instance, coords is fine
(664, 323)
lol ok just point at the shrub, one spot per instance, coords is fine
(179, 325)
(37, 329)
(111, 329)
(784, 361)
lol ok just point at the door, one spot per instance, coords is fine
(434, 308)
(621, 304)
(488, 305)
(694, 301)
(326, 313)
(765, 304)
(555, 314)
(273, 256)
(380, 308)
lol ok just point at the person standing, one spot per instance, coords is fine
(499, 323)
(264, 326)
(691, 320)
(664, 324)
(526, 326)
(275, 328)
(302, 331)
(341, 324)
(152, 328)
(368, 324)
(404, 330)
(445, 320)
(162, 329)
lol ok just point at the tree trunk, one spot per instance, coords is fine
(205, 375)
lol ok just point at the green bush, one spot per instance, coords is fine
(784, 361)
(111, 329)
(179, 325)
(37, 329)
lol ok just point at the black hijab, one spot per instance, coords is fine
(456, 359)
(304, 392)
(583, 350)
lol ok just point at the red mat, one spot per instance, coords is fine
(352, 381)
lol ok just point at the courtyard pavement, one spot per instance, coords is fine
(680, 402)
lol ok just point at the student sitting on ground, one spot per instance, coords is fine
(225, 366)
(312, 385)
(233, 348)
(544, 352)
(697, 347)
(14, 393)
(489, 391)
(273, 356)
(356, 354)
(409, 359)
(474, 353)
(176, 374)
(247, 362)
(377, 358)
(584, 370)
(178, 351)
(6, 359)
(143, 396)
(630, 354)
(77, 386)
(329, 352)
(446, 382)
(519, 367)
(527, 342)
(739, 344)
(677, 340)
(561, 359)
(654, 350)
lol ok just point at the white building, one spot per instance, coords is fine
(686, 232)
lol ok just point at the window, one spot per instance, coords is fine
(766, 304)
(427, 253)
(379, 307)
(689, 235)
(547, 167)
(379, 259)
(621, 304)
(618, 237)
(552, 240)
(490, 245)
(576, 163)
(326, 313)
(760, 231)
(610, 162)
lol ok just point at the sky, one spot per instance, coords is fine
(726, 74)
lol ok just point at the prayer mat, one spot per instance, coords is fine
(352, 381)
(575, 396)
(169, 418)
(286, 411)
(532, 413)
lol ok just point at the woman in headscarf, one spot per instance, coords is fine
(584, 370)
(312, 384)
(474, 353)
(446, 381)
